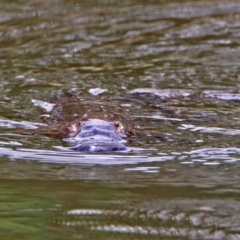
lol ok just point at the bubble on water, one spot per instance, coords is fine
(96, 91)
(45, 105)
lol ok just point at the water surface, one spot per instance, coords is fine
(185, 187)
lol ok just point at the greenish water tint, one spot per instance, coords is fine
(184, 188)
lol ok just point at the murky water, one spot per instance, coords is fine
(181, 178)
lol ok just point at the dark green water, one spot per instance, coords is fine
(187, 188)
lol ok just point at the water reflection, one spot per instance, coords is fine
(108, 208)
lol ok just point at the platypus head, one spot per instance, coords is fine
(97, 135)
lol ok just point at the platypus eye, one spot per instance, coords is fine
(119, 128)
(117, 125)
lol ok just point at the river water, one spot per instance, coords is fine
(185, 187)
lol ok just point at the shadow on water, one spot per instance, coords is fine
(180, 184)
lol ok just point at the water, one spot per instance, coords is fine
(181, 178)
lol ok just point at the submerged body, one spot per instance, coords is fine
(99, 125)
(94, 125)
